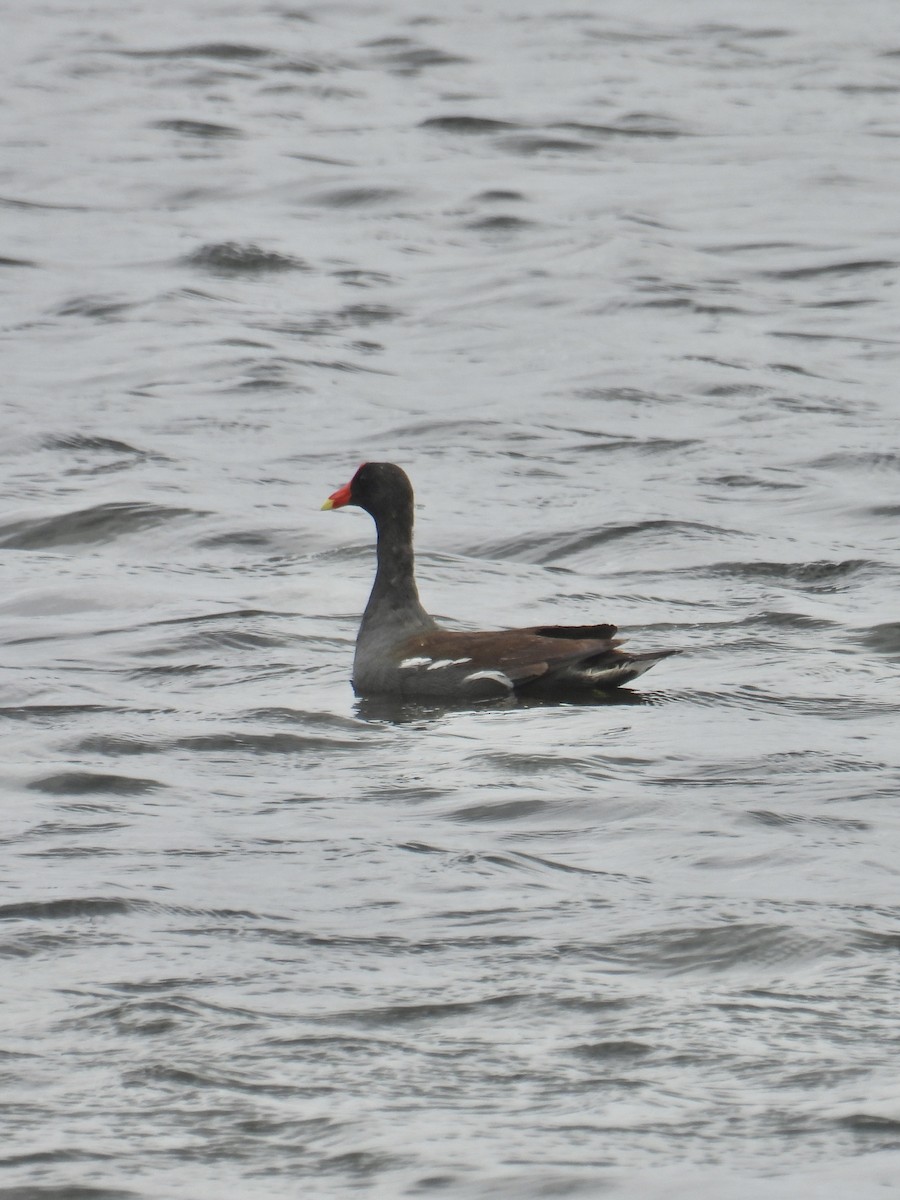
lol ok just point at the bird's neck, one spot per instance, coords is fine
(395, 597)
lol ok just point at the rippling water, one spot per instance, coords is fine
(618, 287)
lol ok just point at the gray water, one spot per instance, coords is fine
(617, 285)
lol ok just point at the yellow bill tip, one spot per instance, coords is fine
(326, 505)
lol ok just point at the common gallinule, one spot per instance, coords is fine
(401, 651)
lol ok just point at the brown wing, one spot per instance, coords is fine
(521, 654)
(575, 632)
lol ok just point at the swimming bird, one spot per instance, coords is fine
(402, 652)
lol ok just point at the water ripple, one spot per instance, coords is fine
(99, 523)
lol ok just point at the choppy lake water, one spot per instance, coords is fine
(618, 287)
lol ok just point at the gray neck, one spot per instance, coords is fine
(395, 599)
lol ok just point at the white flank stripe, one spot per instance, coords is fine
(409, 663)
(497, 676)
(448, 662)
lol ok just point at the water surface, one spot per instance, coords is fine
(618, 289)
